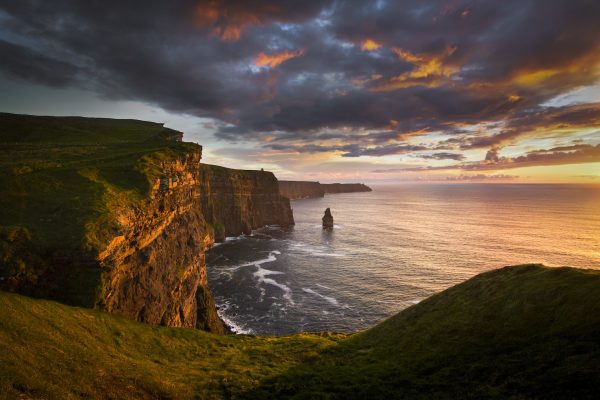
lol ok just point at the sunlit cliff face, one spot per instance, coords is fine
(443, 90)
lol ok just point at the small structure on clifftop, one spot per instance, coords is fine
(328, 219)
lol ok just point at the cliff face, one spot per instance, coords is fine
(332, 188)
(153, 269)
(121, 218)
(236, 201)
(294, 190)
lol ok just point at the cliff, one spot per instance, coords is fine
(294, 190)
(238, 201)
(525, 332)
(109, 214)
(332, 188)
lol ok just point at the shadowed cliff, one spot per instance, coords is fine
(525, 332)
(238, 201)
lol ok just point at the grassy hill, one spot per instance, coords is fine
(518, 332)
(60, 177)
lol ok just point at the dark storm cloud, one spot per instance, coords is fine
(351, 150)
(25, 63)
(355, 77)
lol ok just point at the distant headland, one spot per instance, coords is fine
(295, 190)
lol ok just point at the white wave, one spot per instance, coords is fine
(335, 226)
(261, 272)
(222, 307)
(235, 328)
(414, 301)
(270, 258)
(261, 275)
(287, 292)
(323, 286)
(234, 238)
(331, 300)
(319, 251)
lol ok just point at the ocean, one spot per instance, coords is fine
(392, 248)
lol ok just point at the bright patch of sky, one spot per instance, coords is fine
(582, 95)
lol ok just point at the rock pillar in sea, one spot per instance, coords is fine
(327, 219)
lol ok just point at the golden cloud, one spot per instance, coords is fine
(370, 45)
(429, 70)
(273, 60)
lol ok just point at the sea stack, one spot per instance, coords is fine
(328, 219)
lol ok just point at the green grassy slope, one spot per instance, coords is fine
(49, 350)
(520, 332)
(517, 332)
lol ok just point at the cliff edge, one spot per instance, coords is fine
(109, 214)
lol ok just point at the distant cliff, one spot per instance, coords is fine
(117, 215)
(294, 190)
(237, 201)
(300, 189)
(332, 188)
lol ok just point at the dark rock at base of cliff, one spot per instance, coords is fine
(328, 219)
(207, 317)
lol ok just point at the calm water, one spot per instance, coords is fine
(392, 248)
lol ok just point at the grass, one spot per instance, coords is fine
(49, 350)
(518, 332)
(64, 168)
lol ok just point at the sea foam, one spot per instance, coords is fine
(330, 300)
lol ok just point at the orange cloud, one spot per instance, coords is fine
(227, 24)
(273, 60)
(370, 45)
(429, 70)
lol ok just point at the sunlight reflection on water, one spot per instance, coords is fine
(395, 246)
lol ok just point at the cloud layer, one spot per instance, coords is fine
(371, 78)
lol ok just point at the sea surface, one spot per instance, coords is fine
(393, 247)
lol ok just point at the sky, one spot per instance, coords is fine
(358, 90)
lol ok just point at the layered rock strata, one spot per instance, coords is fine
(237, 201)
(153, 269)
